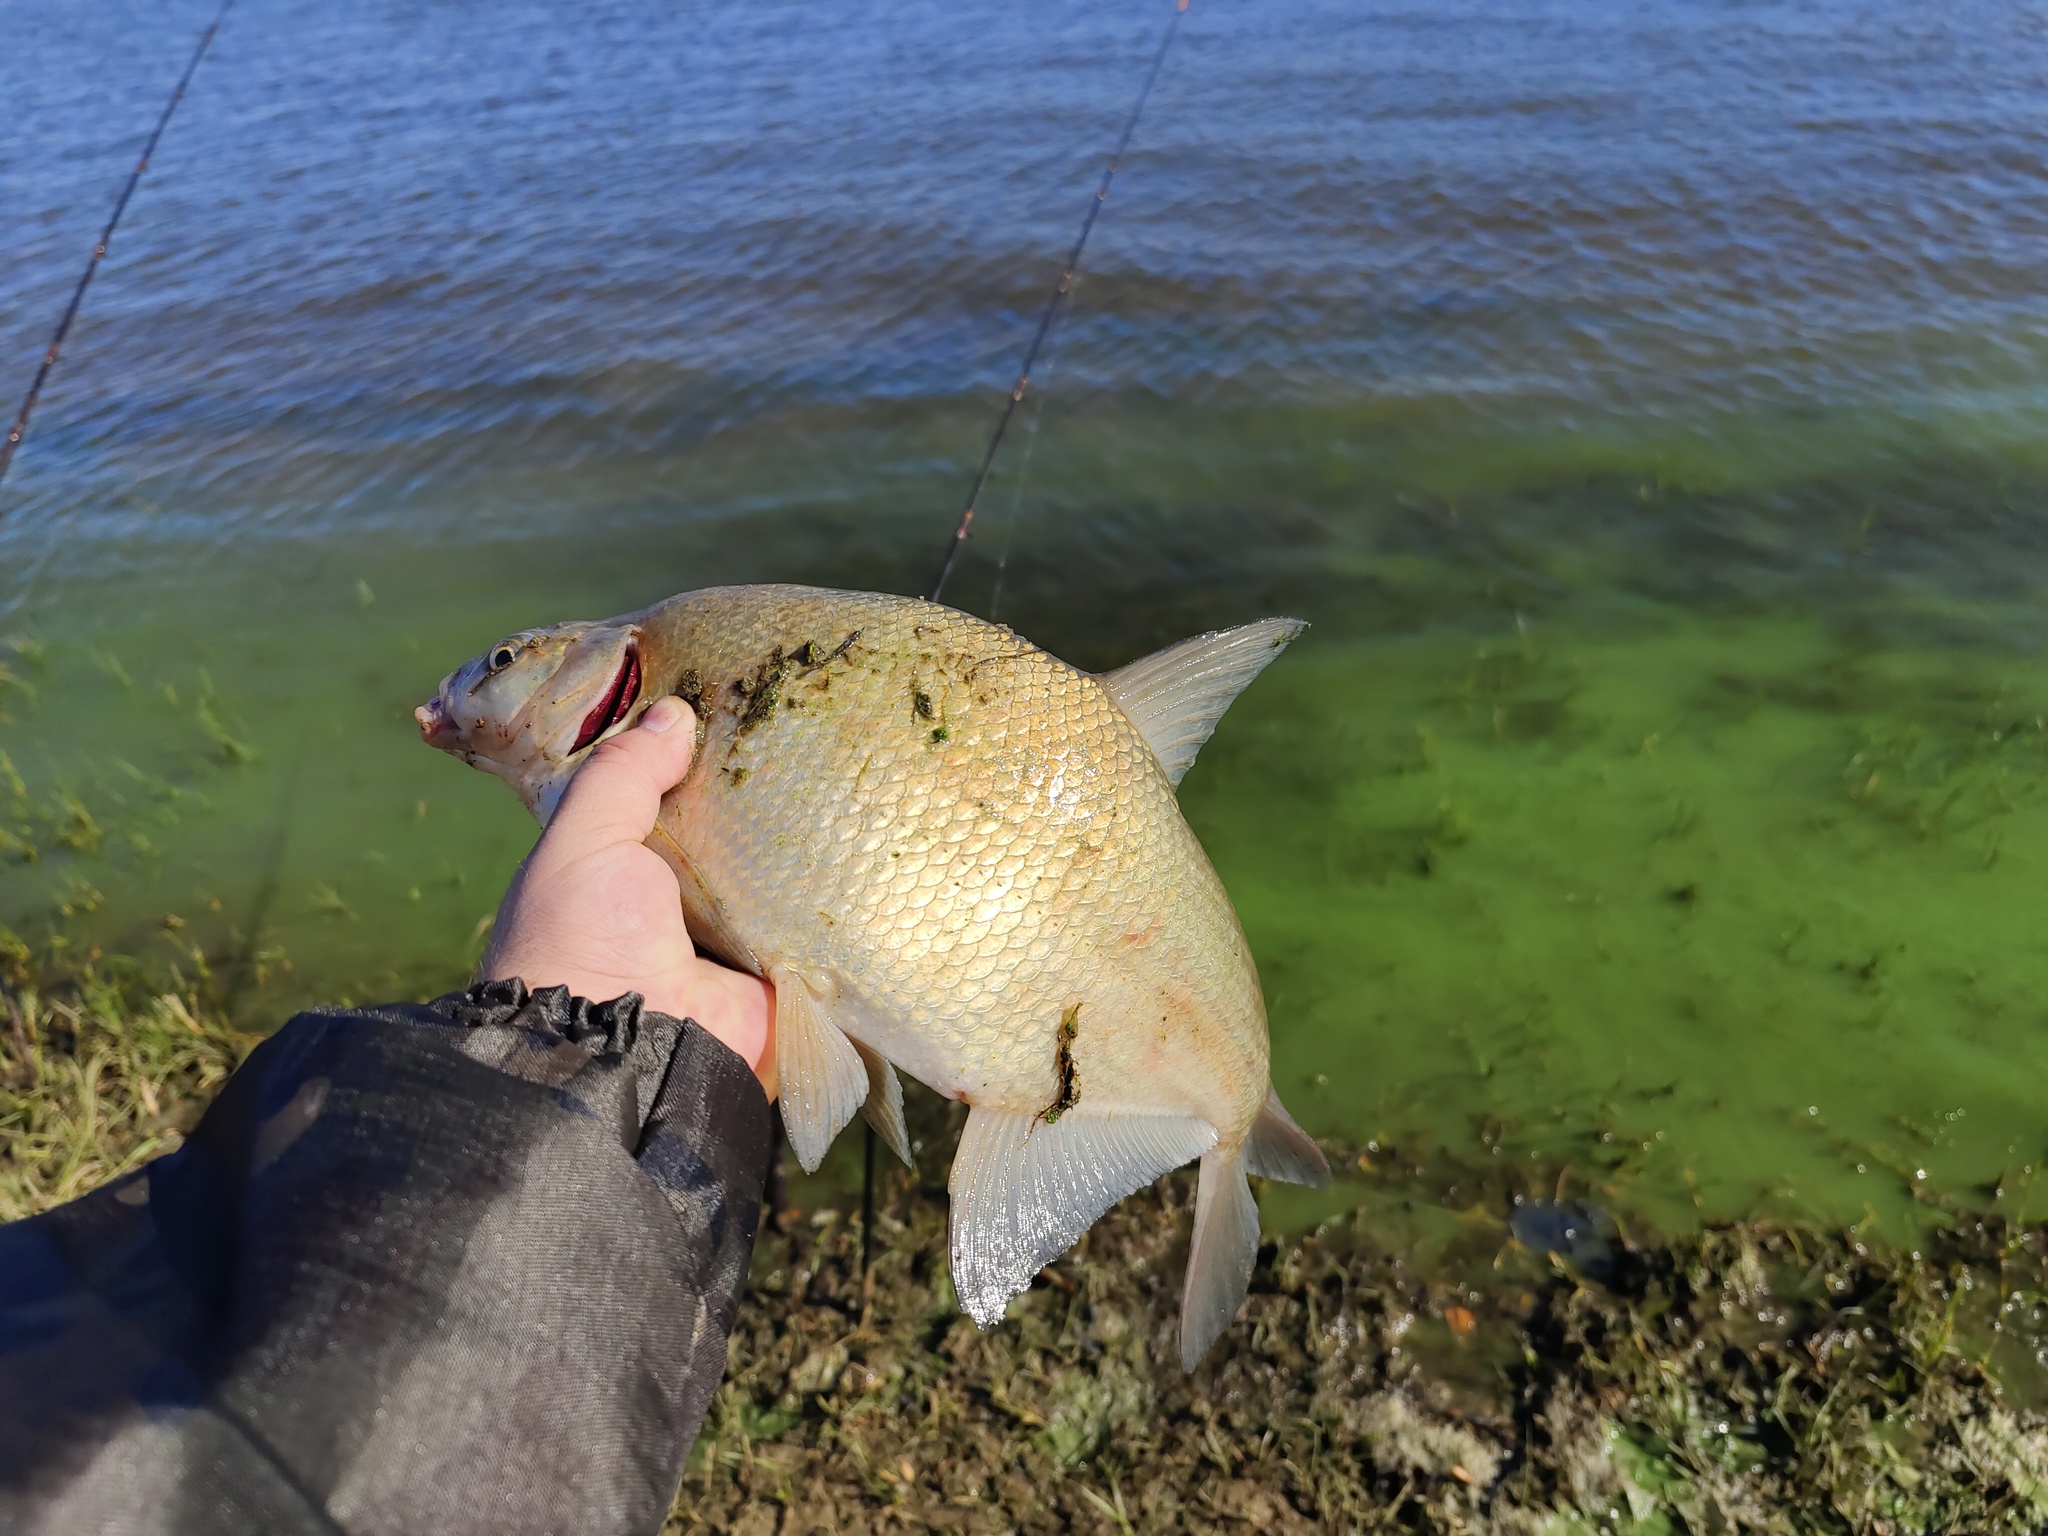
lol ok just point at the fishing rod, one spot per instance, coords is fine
(1059, 294)
(99, 251)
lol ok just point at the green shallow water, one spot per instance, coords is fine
(1724, 914)
(1699, 873)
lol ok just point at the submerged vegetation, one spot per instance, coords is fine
(1752, 1376)
(1656, 816)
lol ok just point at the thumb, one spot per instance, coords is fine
(616, 794)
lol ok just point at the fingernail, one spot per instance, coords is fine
(662, 714)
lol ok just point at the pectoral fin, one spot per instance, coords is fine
(884, 1106)
(1280, 1149)
(1175, 696)
(1024, 1191)
(824, 1080)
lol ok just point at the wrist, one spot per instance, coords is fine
(732, 1007)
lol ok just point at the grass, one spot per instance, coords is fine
(1750, 1377)
(97, 1076)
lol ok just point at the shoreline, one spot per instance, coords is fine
(1750, 1376)
(1754, 1377)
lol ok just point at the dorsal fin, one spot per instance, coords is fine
(1175, 696)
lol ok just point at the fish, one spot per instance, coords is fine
(957, 857)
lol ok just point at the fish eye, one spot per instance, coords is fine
(502, 657)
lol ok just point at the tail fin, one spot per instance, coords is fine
(1220, 1261)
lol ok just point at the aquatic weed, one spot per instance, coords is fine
(230, 747)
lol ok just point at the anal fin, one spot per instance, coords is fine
(1024, 1190)
(883, 1108)
(1280, 1149)
(824, 1080)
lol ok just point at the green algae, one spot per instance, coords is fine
(1730, 915)
(1663, 826)
(1721, 907)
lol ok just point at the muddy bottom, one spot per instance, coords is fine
(1750, 1377)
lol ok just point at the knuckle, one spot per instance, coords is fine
(611, 760)
(613, 750)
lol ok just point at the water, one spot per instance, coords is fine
(1643, 401)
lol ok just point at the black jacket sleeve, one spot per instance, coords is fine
(459, 1267)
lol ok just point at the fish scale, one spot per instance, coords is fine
(955, 855)
(896, 932)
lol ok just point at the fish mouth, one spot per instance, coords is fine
(616, 704)
(437, 728)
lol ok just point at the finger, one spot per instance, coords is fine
(615, 796)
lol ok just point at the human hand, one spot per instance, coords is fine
(596, 910)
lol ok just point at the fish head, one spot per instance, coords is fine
(530, 708)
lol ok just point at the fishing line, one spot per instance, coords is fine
(867, 1204)
(99, 251)
(1052, 306)
(995, 601)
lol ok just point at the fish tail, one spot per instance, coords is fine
(1220, 1259)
